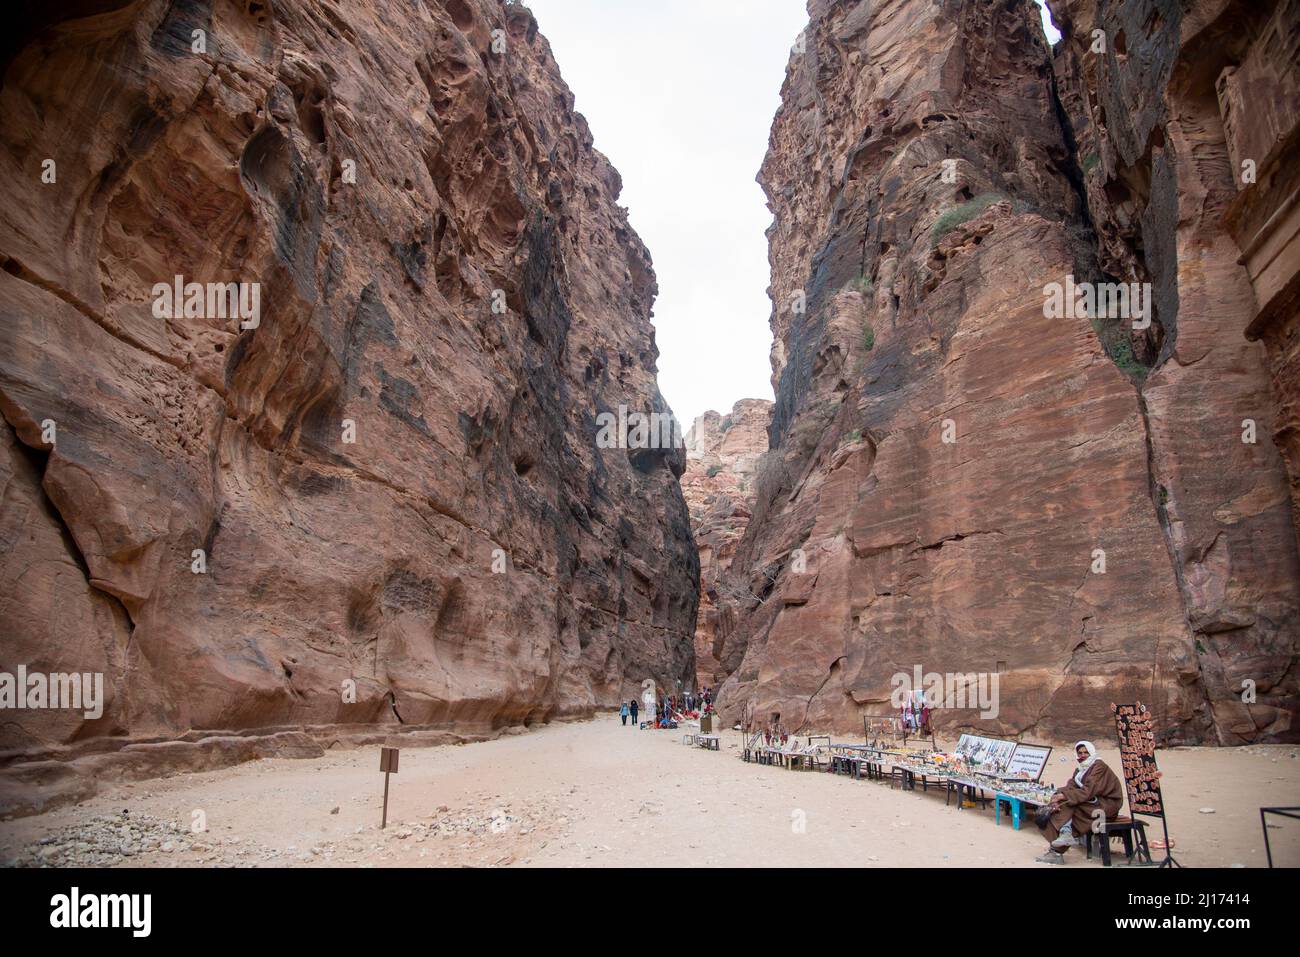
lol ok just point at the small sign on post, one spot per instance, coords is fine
(387, 764)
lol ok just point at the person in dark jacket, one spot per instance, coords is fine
(1091, 795)
(633, 705)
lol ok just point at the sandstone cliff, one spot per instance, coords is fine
(388, 483)
(1186, 120)
(980, 486)
(722, 461)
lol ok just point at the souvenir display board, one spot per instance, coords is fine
(987, 753)
(1028, 761)
(1137, 751)
(882, 726)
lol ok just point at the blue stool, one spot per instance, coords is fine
(1013, 803)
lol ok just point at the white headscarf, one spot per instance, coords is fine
(1084, 765)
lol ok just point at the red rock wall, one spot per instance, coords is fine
(723, 453)
(951, 462)
(475, 427)
(1163, 148)
(1258, 91)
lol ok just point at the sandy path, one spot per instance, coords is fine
(596, 793)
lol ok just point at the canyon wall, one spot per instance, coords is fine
(1076, 507)
(378, 502)
(722, 461)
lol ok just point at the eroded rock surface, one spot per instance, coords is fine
(1187, 125)
(393, 478)
(978, 488)
(722, 461)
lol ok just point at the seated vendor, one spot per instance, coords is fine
(1073, 807)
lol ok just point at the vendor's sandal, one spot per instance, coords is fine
(1050, 857)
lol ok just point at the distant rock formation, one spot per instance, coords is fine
(722, 457)
(1094, 510)
(376, 501)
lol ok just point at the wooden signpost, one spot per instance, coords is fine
(1137, 751)
(387, 764)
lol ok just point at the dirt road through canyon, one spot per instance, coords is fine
(597, 793)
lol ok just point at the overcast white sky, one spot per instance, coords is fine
(680, 95)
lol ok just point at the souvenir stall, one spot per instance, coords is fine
(1009, 771)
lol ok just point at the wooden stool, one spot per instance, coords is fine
(1131, 831)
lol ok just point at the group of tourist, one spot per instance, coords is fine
(668, 709)
(701, 701)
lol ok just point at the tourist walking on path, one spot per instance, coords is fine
(634, 710)
(623, 712)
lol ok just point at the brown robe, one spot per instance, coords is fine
(1101, 789)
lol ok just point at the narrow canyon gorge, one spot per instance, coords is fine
(722, 458)
(372, 502)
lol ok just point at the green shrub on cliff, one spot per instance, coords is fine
(963, 213)
(1120, 350)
